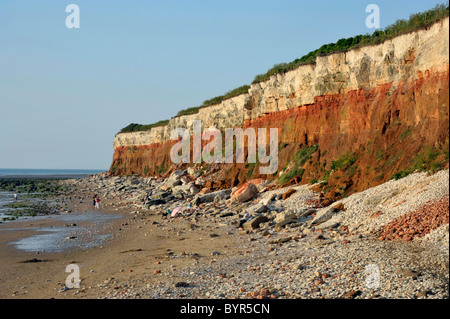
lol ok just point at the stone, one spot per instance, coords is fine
(181, 284)
(244, 193)
(256, 209)
(155, 202)
(351, 294)
(323, 215)
(339, 207)
(376, 214)
(254, 222)
(406, 272)
(306, 213)
(288, 194)
(285, 218)
(331, 223)
(207, 198)
(280, 240)
(226, 214)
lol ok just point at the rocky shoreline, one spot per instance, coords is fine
(290, 246)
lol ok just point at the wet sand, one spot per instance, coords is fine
(138, 248)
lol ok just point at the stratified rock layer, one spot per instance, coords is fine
(381, 104)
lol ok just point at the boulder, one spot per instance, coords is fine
(174, 179)
(155, 202)
(323, 215)
(244, 193)
(331, 223)
(171, 183)
(254, 222)
(257, 208)
(284, 218)
(207, 198)
(186, 189)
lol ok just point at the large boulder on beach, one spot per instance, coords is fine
(174, 179)
(185, 189)
(323, 215)
(284, 218)
(245, 192)
(207, 198)
(253, 223)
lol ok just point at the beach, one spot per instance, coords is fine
(205, 255)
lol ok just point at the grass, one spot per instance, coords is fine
(424, 161)
(416, 21)
(133, 127)
(299, 159)
(405, 134)
(344, 162)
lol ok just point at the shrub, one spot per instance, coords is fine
(133, 127)
(299, 159)
(344, 162)
(416, 21)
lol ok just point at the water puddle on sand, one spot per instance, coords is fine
(80, 231)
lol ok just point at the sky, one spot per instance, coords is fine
(66, 92)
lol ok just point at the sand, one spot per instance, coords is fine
(137, 249)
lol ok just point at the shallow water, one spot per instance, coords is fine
(62, 238)
(8, 197)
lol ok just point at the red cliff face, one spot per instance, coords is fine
(352, 120)
(383, 129)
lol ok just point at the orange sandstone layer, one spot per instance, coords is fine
(384, 128)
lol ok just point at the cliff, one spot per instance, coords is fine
(364, 115)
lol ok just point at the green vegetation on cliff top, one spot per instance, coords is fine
(415, 22)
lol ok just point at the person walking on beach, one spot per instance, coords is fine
(93, 200)
(97, 202)
(148, 197)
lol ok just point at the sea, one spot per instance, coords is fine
(30, 172)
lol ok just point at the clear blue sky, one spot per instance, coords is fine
(65, 93)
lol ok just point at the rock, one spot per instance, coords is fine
(284, 218)
(280, 240)
(323, 215)
(288, 194)
(405, 272)
(256, 209)
(338, 207)
(226, 214)
(266, 201)
(170, 183)
(423, 293)
(155, 202)
(191, 171)
(244, 193)
(207, 198)
(306, 213)
(185, 189)
(331, 223)
(177, 174)
(181, 284)
(254, 222)
(174, 179)
(376, 214)
(351, 294)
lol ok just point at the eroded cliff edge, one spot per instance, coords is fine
(361, 116)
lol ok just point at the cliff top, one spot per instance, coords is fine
(415, 22)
